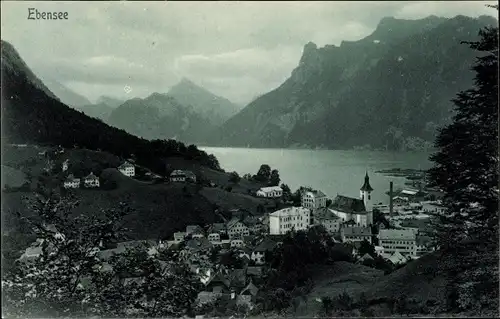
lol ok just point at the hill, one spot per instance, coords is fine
(160, 116)
(65, 95)
(31, 114)
(391, 90)
(100, 111)
(211, 107)
(109, 101)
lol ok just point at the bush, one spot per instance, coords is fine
(234, 177)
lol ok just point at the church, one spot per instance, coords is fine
(355, 211)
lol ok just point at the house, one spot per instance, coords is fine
(179, 236)
(398, 240)
(197, 245)
(286, 219)
(255, 271)
(250, 290)
(214, 237)
(397, 258)
(227, 281)
(254, 224)
(127, 169)
(400, 200)
(237, 243)
(65, 165)
(91, 181)
(182, 176)
(193, 229)
(150, 246)
(72, 182)
(236, 229)
(313, 199)
(423, 245)
(356, 234)
(259, 253)
(219, 228)
(270, 192)
(327, 219)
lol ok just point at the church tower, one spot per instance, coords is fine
(365, 194)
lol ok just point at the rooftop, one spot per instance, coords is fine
(271, 189)
(356, 231)
(391, 234)
(315, 194)
(289, 211)
(125, 165)
(348, 204)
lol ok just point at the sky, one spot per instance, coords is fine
(238, 50)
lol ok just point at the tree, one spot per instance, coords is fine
(287, 193)
(274, 178)
(366, 248)
(263, 174)
(234, 177)
(466, 165)
(52, 284)
(466, 169)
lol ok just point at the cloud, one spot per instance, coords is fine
(236, 49)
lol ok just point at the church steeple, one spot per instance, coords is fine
(366, 186)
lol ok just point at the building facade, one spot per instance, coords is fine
(270, 192)
(72, 182)
(398, 240)
(91, 181)
(236, 229)
(127, 169)
(286, 219)
(313, 199)
(356, 234)
(331, 222)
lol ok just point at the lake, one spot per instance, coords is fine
(331, 171)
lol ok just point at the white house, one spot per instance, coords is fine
(270, 192)
(65, 165)
(237, 243)
(237, 229)
(179, 236)
(398, 240)
(182, 176)
(313, 199)
(127, 169)
(72, 182)
(327, 219)
(214, 237)
(259, 253)
(286, 219)
(91, 180)
(356, 234)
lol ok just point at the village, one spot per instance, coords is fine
(230, 257)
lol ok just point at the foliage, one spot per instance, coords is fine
(263, 174)
(466, 169)
(69, 280)
(234, 177)
(274, 178)
(287, 193)
(366, 248)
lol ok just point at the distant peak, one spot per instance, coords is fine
(186, 81)
(310, 46)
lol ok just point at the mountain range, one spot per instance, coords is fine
(160, 116)
(32, 114)
(390, 90)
